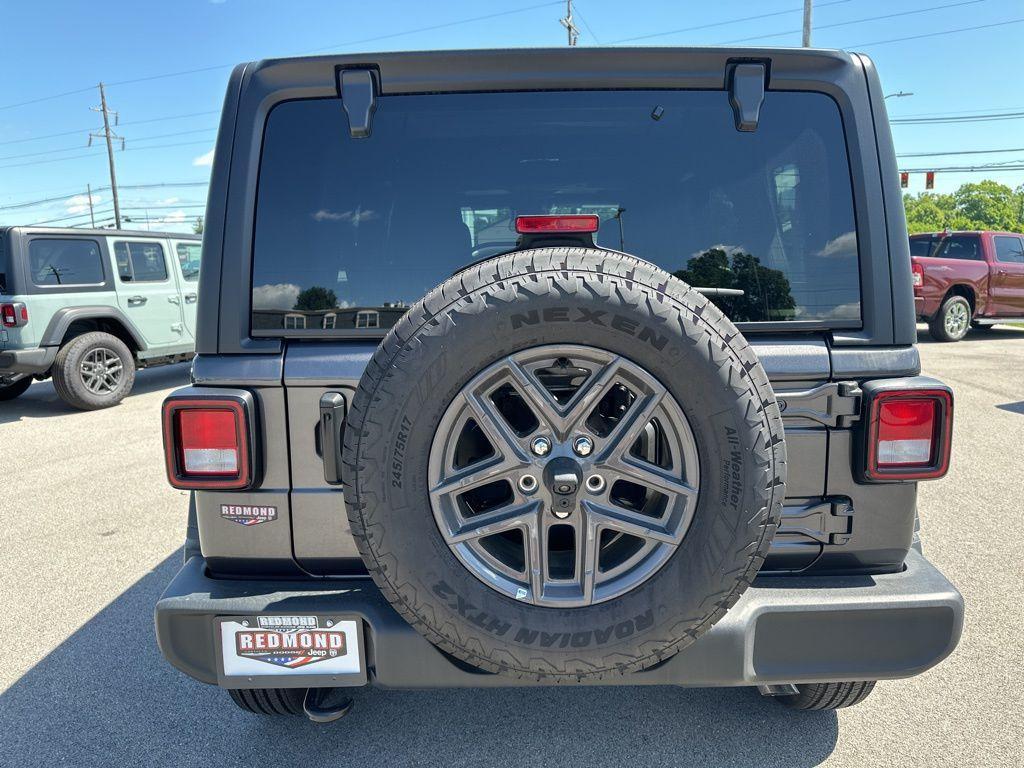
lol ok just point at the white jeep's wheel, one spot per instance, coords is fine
(94, 370)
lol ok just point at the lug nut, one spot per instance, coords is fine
(583, 446)
(527, 483)
(595, 483)
(540, 446)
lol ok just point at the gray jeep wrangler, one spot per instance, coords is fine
(555, 366)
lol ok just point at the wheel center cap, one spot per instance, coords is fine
(562, 477)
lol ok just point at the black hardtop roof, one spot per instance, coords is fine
(544, 68)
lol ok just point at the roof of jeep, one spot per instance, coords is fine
(518, 68)
(97, 232)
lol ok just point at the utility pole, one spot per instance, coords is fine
(109, 136)
(807, 23)
(570, 28)
(92, 217)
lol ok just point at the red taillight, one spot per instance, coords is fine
(918, 272)
(909, 434)
(206, 443)
(528, 225)
(13, 315)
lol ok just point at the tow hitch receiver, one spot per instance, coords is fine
(316, 706)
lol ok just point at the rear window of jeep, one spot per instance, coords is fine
(65, 262)
(350, 232)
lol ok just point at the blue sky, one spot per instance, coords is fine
(54, 48)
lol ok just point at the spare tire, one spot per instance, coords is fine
(563, 463)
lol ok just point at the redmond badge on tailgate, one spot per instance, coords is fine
(280, 645)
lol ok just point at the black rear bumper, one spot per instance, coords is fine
(783, 630)
(28, 362)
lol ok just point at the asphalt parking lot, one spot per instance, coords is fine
(92, 534)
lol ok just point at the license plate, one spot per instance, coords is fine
(286, 648)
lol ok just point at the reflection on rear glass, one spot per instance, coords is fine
(349, 233)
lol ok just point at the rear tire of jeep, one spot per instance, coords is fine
(581, 305)
(817, 696)
(269, 701)
(94, 370)
(952, 321)
(17, 389)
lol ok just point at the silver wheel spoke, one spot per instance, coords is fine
(496, 521)
(561, 419)
(651, 476)
(475, 475)
(493, 424)
(630, 522)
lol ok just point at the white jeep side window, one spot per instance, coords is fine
(140, 262)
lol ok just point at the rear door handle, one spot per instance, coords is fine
(332, 425)
(136, 301)
(191, 298)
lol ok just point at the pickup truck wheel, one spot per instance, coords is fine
(952, 321)
(17, 389)
(269, 701)
(563, 464)
(94, 370)
(828, 695)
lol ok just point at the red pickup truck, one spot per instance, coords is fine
(967, 278)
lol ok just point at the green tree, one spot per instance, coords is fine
(197, 225)
(766, 292)
(315, 298)
(989, 205)
(981, 205)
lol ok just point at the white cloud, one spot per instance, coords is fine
(168, 201)
(276, 296)
(206, 159)
(729, 250)
(174, 217)
(840, 247)
(80, 203)
(355, 216)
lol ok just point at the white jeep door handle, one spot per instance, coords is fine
(136, 301)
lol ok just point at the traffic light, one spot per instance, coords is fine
(929, 180)
(904, 179)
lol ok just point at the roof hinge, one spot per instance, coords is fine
(358, 89)
(746, 93)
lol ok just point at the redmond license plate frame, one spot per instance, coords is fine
(238, 670)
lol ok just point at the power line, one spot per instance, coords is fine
(855, 21)
(132, 122)
(722, 23)
(196, 70)
(963, 152)
(965, 169)
(945, 112)
(957, 118)
(433, 27)
(936, 34)
(57, 199)
(586, 26)
(46, 98)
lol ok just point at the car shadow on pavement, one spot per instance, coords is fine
(41, 401)
(106, 696)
